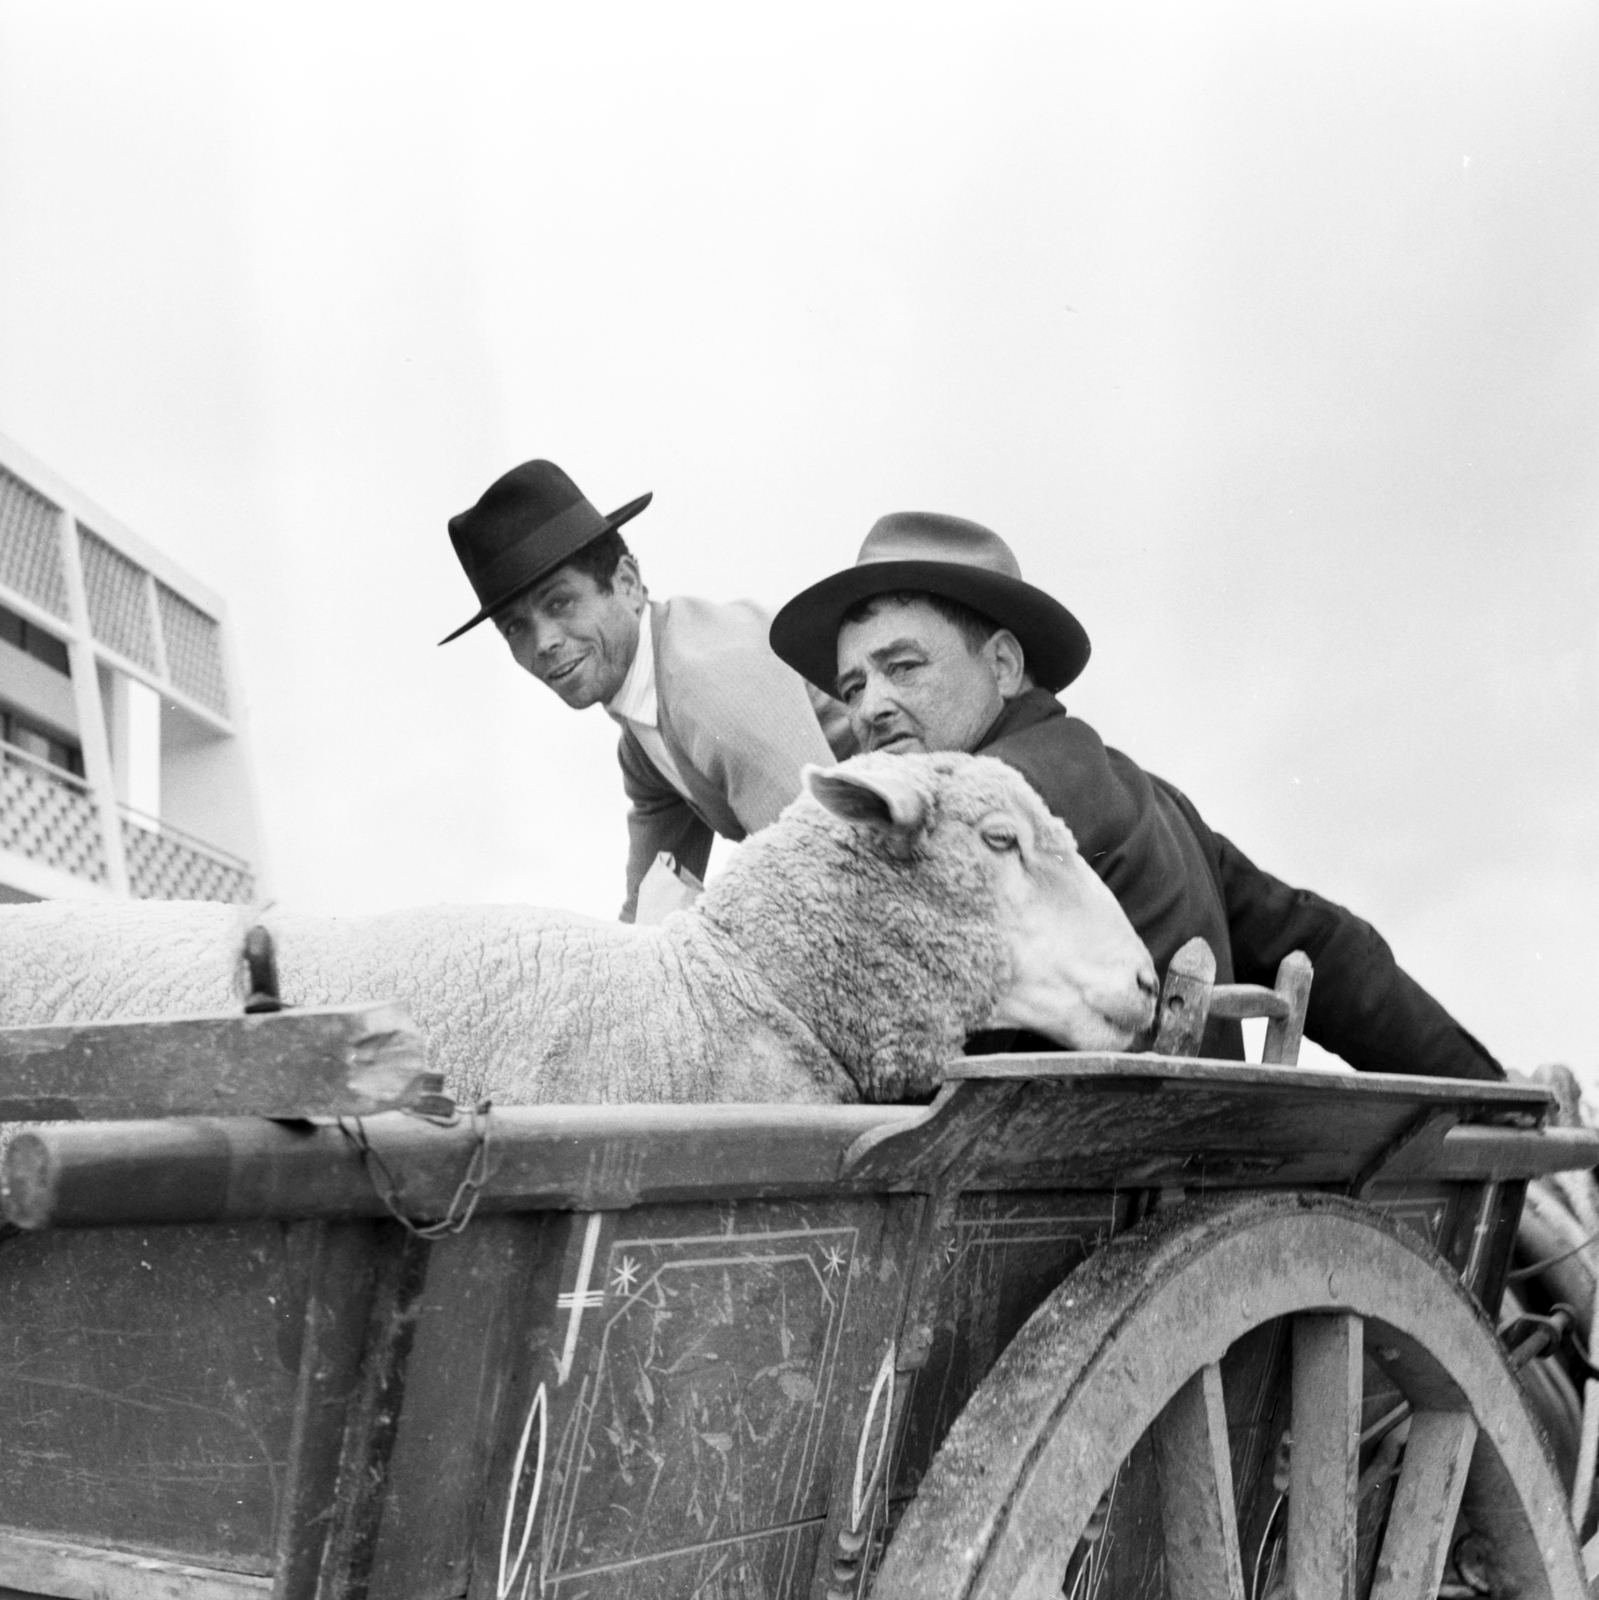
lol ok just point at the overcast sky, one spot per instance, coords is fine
(1267, 334)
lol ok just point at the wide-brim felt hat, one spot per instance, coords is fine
(928, 553)
(527, 524)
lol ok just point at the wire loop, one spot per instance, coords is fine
(463, 1203)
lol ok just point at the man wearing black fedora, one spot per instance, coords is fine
(715, 729)
(934, 641)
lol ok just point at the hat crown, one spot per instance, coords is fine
(933, 536)
(512, 508)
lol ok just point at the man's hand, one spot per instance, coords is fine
(666, 888)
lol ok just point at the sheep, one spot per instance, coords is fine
(899, 904)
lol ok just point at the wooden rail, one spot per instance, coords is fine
(1011, 1123)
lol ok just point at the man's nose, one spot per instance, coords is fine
(872, 703)
(544, 636)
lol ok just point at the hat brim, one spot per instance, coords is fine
(805, 632)
(610, 525)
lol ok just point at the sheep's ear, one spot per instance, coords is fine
(882, 800)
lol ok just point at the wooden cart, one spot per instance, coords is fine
(1103, 1325)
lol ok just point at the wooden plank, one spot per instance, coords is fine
(344, 1061)
(1067, 1129)
(1130, 1122)
(471, 1332)
(1185, 1000)
(84, 1572)
(341, 1282)
(1476, 1095)
(1421, 1521)
(372, 1417)
(1324, 1457)
(1413, 1149)
(147, 1388)
(1502, 1154)
(1199, 1518)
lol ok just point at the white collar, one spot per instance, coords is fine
(635, 701)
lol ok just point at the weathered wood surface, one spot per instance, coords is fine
(44, 1566)
(343, 1061)
(560, 1157)
(1199, 1522)
(1324, 1458)
(1422, 1521)
(1048, 1450)
(148, 1393)
(1286, 1030)
(1185, 1000)
(1011, 1122)
(1116, 1121)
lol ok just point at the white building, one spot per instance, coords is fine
(124, 769)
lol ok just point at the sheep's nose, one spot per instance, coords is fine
(1146, 983)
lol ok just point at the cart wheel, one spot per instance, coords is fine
(1098, 1448)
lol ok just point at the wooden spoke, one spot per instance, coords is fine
(1324, 1458)
(1199, 1518)
(1097, 1448)
(1426, 1502)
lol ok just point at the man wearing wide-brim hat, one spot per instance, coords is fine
(714, 728)
(934, 641)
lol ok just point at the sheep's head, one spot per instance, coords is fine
(908, 901)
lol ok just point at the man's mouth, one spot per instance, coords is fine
(899, 740)
(565, 670)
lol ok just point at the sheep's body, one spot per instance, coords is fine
(835, 956)
(521, 1003)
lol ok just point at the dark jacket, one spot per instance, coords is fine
(1175, 878)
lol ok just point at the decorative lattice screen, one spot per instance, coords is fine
(30, 545)
(194, 650)
(49, 819)
(162, 867)
(119, 609)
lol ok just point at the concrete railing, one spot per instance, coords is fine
(48, 815)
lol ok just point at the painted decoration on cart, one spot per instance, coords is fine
(998, 1258)
(696, 1380)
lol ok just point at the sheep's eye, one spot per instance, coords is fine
(1002, 839)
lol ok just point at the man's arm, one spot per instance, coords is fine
(658, 818)
(1363, 1005)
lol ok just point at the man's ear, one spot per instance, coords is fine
(1009, 663)
(879, 798)
(627, 581)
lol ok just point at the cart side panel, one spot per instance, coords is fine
(995, 1260)
(148, 1380)
(470, 1324)
(703, 1366)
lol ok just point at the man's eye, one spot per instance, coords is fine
(849, 693)
(900, 669)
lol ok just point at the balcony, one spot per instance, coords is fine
(164, 863)
(49, 816)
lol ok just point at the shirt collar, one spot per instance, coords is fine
(635, 700)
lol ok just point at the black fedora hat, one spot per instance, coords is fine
(527, 524)
(928, 553)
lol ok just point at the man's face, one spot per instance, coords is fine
(572, 635)
(912, 683)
